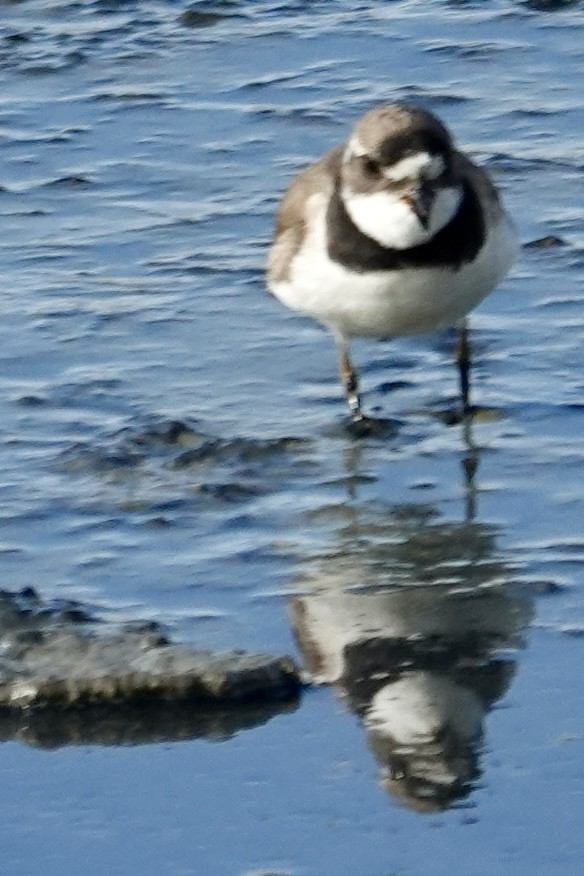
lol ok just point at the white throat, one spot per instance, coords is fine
(387, 219)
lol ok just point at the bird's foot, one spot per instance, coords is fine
(363, 426)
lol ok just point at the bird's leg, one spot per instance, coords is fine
(463, 362)
(350, 380)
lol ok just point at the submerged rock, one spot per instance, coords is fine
(176, 453)
(550, 241)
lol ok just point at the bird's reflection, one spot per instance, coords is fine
(414, 620)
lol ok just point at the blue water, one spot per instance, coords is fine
(142, 155)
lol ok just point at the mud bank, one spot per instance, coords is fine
(64, 677)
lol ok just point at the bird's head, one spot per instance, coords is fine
(398, 178)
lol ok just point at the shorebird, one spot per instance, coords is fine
(393, 233)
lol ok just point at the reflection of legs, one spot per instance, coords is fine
(470, 459)
(350, 380)
(470, 464)
(463, 362)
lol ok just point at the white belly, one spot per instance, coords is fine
(383, 304)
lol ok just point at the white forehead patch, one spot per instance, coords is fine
(431, 166)
(354, 149)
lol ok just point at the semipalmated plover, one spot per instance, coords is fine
(393, 233)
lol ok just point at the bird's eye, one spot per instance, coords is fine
(370, 166)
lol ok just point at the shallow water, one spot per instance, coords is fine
(174, 448)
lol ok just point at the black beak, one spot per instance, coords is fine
(420, 200)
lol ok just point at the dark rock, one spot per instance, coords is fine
(550, 241)
(71, 679)
(65, 668)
